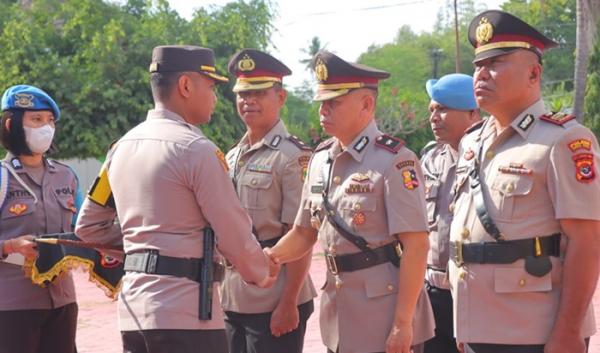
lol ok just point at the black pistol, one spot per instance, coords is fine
(206, 275)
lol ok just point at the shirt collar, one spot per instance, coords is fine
(272, 139)
(360, 144)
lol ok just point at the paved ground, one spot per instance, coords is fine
(97, 327)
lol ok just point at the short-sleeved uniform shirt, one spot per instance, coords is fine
(169, 182)
(379, 193)
(53, 213)
(533, 173)
(439, 164)
(268, 177)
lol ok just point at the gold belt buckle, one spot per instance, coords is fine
(458, 258)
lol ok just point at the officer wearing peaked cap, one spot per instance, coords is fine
(164, 232)
(363, 201)
(267, 167)
(453, 109)
(526, 182)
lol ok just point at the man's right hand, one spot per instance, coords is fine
(24, 245)
(273, 271)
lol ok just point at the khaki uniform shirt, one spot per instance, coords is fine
(268, 177)
(53, 213)
(439, 164)
(379, 193)
(169, 183)
(529, 181)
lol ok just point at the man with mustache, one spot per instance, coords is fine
(363, 198)
(525, 233)
(267, 167)
(453, 110)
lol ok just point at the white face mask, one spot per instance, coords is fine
(39, 139)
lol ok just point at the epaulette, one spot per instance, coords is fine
(296, 141)
(325, 145)
(474, 127)
(389, 143)
(428, 147)
(559, 118)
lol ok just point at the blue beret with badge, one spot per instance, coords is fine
(454, 91)
(27, 97)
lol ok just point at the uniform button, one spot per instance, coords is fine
(522, 282)
(337, 179)
(490, 154)
(241, 163)
(253, 182)
(465, 233)
(451, 208)
(510, 187)
(390, 288)
(356, 206)
(462, 275)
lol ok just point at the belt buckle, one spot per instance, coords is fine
(150, 261)
(458, 257)
(331, 264)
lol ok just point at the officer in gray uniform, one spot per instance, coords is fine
(363, 198)
(525, 236)
(169, 186)
(453, 109)
(267, 167)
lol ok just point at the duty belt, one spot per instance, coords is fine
(504, 252)
(151, 262)
(364, 259)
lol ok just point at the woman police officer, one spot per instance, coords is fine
(37, 196)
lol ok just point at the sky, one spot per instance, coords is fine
(345, 27)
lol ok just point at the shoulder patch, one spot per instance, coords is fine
(429, 146)
(324, 145)
(299, 143)
(474, 127)
(389, 143)
(559, 118)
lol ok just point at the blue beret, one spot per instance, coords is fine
(29, 98)
(454, 91)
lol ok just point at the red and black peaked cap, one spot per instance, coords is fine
(256, 70)
(496, 32)
(338, 77)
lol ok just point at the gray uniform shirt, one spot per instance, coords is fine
(530, 179)
(169, 182)
(439, 165)
(268, 177)
(53, 213)
(378, 193)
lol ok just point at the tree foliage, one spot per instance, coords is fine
(93, 56)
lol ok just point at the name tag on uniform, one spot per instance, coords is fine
(260, 168)
(316, 189)
(515, 168)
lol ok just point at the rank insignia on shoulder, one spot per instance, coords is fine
(17, 208)
(580, 144)
(299, 143)
(409, 177)
(389, 143)
(325, 145)
(584, 167)
(275, 141)
(222, 160)
(16, 163)
(557, 118)
(405, 164)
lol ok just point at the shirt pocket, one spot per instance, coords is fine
(16, 217)
(517, 280)
(382, 283)
(431, 196)
(253, 184)
(508, 193)
(67, 210)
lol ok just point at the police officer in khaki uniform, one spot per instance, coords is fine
(169, 185)
(37, 196)
(527, 182)
(267, 167)
(364, 198)
(453, 109)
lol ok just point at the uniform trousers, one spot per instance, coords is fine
(39, 330)
(509, 348)
(251, 333)
(171, 341)
(416, 349)
(441, 303)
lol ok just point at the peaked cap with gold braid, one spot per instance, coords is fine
(338, 77)
(182, 58)
(256, 70)
(496, 32)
